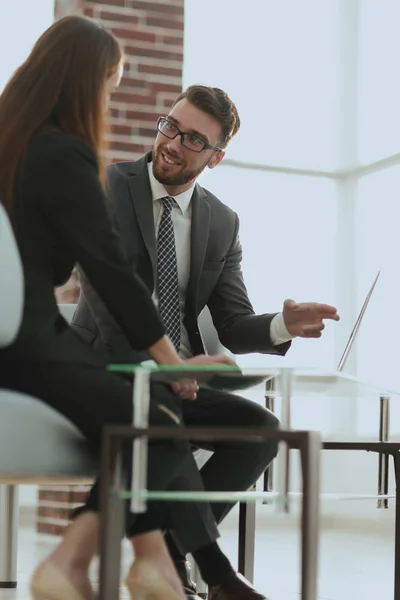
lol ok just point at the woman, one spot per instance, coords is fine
(52, 124)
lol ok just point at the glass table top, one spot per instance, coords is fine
(315, 381)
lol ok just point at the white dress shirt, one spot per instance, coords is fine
(181, 216)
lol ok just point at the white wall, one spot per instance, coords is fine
(21, 23)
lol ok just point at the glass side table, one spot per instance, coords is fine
(113, 495)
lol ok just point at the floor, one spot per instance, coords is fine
(356, 554)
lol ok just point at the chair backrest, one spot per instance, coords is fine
(209, 334)
(12, 283)
(67, 311)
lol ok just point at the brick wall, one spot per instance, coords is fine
(151, 33)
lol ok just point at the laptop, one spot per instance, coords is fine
(356, 327)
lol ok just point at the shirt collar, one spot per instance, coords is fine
(158, 191)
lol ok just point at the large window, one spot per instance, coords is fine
(378, 247)
(316, 88)
(279, 62)
(288, 250)
(377, 207)
(284, 76)
(379, 89)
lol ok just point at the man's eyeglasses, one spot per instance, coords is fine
(190, 141)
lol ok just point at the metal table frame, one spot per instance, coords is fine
(287, 378)
(384, 448)
(112, 506)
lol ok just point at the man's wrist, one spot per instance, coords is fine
(278, 332)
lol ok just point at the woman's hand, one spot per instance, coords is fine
(186, 389)
(209, 359)
(164, 353)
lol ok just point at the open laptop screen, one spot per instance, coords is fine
(356, 327)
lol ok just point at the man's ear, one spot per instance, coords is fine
(216, 159)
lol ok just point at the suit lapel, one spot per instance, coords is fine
(199, 239)
(140, 191)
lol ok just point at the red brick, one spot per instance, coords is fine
(117, 159)
(120, 158)
(52, 512)
(78, 496)
(88, 11)
(53, 496)
(152, 53)
(159, 7)
(147, 132)
(172, 40)
(165, 87)
(134, 34)
(112, 2)
(114, 111)
(142, 116)
(159, 70)
(127, 98)
(164, 23)
(168, 102)
(125, 18)
(132, 82)
(118, 129)
(128, 147)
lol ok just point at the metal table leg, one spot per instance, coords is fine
(286, 383)
(310, 462)
(141, 406)
(112, 507)
(247, 539)
(384, 434)
(270, 404)
(396, 459)
(112, 520)
(8, 535)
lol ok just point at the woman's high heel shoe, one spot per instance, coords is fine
(145, 582)
(48, 583)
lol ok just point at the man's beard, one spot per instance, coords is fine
(180, 178)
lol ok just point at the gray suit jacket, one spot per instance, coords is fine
(215, 280)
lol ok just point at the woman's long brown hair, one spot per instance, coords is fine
(62, 83)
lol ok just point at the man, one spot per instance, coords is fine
(184, 244)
